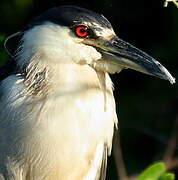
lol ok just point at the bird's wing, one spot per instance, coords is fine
(104, 163)
(97, 170)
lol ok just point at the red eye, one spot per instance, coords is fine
(81, 31)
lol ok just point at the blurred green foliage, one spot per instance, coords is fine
(156, 171)
(167, 176)
(147, 107)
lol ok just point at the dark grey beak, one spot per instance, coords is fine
(128, 56)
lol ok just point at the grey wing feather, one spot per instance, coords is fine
(1, 177)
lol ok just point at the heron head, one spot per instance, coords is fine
(77, 35)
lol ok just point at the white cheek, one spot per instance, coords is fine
(89, 54)
(57, 44)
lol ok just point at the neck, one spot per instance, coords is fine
(45, 75)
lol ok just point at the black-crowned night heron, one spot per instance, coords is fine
(57, 110)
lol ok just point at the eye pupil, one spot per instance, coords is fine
(82, 31)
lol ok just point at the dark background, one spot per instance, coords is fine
(147, 107)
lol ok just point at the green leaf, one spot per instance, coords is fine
(167, 176)
(153, 172)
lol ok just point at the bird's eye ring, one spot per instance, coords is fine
(82, 31)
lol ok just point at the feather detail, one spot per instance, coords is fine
(102, 80)
(98, 167)
(104, 163)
